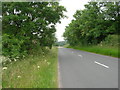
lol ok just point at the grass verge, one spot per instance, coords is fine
(36, 71)
(104, 50)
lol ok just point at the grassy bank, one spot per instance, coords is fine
(104, 50)
(36, 71)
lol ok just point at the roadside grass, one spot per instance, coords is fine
(104, 50)
(36, 71)
(66, 45)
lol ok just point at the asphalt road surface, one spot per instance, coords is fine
(80, 69)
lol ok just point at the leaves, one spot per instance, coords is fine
(93, 24)
(27, 25)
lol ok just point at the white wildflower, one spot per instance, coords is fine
(15, 60)
(38, 66)
(17, 57)
(4, 68)
(48, 63)
(23, 56)
(19, 76)
(45, 60)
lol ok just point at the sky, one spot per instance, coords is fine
(71, 6)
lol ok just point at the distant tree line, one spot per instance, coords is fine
(28, 25)
(60, 43)
(93, 24)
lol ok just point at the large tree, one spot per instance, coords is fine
(27, 25)
(93, 24)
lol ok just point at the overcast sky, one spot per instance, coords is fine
(71, 6)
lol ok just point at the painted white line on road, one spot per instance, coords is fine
(80, 55)
(101, 64)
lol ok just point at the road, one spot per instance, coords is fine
(80, 69)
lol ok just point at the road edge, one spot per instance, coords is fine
(59, 78)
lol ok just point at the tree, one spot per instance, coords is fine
(93, 24)
(27, 25)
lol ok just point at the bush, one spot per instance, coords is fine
(111, 40)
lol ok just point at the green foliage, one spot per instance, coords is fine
(93, 24)
(27, 25)
(111, 40)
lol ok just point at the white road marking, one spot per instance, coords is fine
(101, 64)
(80, 55)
